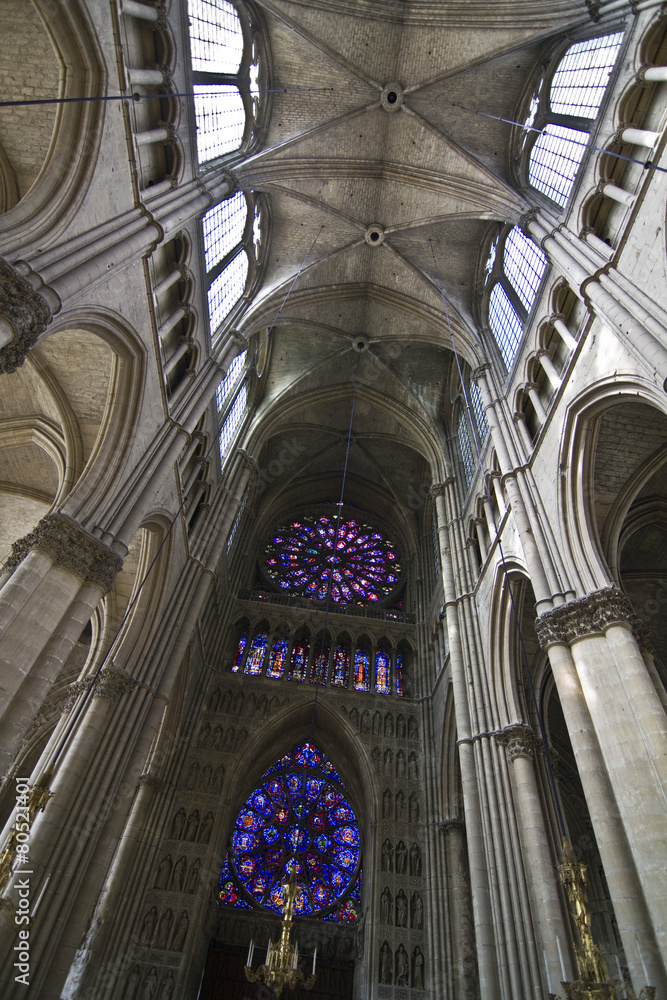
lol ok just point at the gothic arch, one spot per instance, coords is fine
(66, 174)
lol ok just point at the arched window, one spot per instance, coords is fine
(231, 237)
(299, 659)
(255, 658)
(320, 665)
(361, 668)
(475, 397)
(565, 115)
(515, 269)
(298, 819)
(466, 450)
(277, 658)
(382, 672)
(225, 78)
(341, 667)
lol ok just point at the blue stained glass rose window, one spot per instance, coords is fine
(319, 558)
(298, 819)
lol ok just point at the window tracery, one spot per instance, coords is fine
(297, 820)
(322, 558)
(565, 115)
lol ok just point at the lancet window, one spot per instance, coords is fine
(565, 113)
(225, 77)
(298, 820)
(515, 270)
(362, 664)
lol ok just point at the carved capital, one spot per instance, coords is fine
(555, 316)
(152, 782)
(231, 179)
(238, 339)
(617, 135)
(248, 462)
(480, 372)
(170, 129)
(593, 7)
(111, 683)
(519, 740)
(26, 311)
(526, 219)
(517, 416)
(440, 489)
(591, 615)
(451, 824)
(73, 691)
(70, 547)
(166, 75)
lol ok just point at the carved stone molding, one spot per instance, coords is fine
(519, 740)
(111, 683)
(440, 489)
(451, 824)
(591, 615)
(151, 781)
(480, 372)
(74, 689)
(26, 310)
(70, 547)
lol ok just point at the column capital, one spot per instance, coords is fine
(70, 547)
(448, 825)
(237, 338)
(591, 615)
(530, 216)
(480, 372)
(440, 489)
(519, 740)
(556, 316)
(27, 312)
(170, 129)
(594, 7)
(518, 415)
(111, 683)
(248, 461)
(151, 781)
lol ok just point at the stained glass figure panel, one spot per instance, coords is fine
(277, 658)
(253, 664)
(320, 666)
(298, 820)
(243, 639)
(382, 672)
(341, 667)
(345, 561)
(399, 675)
(299, 660)
(361, 669)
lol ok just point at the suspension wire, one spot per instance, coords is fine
(503, 561)
(91, 681)
(646, 164)
(137, 98)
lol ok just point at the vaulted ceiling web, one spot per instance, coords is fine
(339, 157)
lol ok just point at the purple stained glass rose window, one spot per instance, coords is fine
(298, 819)
(320, 558)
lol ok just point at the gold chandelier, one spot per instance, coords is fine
(594, 982)
(281, 967)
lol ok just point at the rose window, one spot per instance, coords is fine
(320, 557)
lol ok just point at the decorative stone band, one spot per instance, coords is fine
(110, 684)
(519, 740)
(25, 310)
(451, 824)
(70, 547)
(151, 781)
(591, 615)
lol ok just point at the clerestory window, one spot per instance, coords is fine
(515, 268)
(225, 77)
(565, 113)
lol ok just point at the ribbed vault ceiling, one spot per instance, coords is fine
(435, 178)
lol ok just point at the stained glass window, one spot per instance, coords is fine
(298, 819)
(505, 324)
(299, 660)
(524, 264)
(361, 671)
(399, 674)
(555, 160)
(320, 664)
(382, 672)
(582, 76)
(253, 664)
(243, 638)
(351, 563)
(341, 667)
(277, 658)
(466, 450)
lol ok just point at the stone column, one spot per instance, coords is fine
(546, 904)
(617, 730)
(481, 898)
(563, 331)
(45, 604)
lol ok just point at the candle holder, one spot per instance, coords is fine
(594, 982)
(280, 969)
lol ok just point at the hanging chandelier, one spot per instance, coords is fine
(594, 982)
(282, 958)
